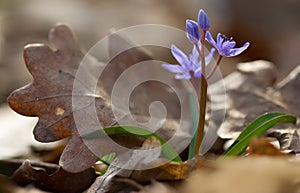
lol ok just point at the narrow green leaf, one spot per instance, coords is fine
(257, 128)
(167, 149)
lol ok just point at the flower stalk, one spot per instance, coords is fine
(203, 98)
(201, 122)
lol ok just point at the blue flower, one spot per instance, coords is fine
(192, 31)
(187, 65)
(203, 20)
(225, 45)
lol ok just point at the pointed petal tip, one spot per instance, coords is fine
(247, 44)
(210, 39)
(237, 51)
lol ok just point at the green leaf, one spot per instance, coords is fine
(108, 158)
(257, 128)
(167, 149)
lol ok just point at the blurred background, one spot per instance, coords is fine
(272, 27)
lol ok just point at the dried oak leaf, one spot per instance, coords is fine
(49, 97)
(50, 94)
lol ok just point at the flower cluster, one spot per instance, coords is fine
(193, 64)
(187, 64)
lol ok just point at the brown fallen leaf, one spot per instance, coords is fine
(57, 180)
(288, 91)
(8, 186)
(50, 94)
(248, 96)
(251, 91)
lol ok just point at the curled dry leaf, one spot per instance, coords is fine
(57, 180)
(8, 186)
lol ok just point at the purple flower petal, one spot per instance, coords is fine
(180, 56)
(192, 31)
(182, 76)
(210, 39)
(220, 40)
(225, 46)
(194, 59)
(237, 51)
(173, 68)
(203, 20)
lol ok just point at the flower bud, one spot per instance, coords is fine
(203, 20)
(192, 31)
